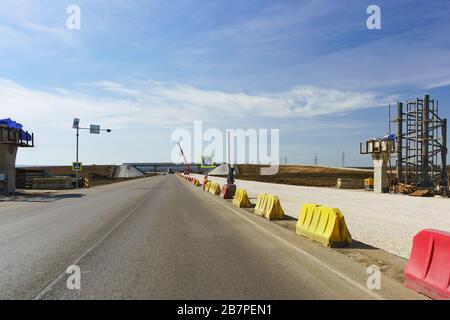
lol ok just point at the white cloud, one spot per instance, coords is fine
(112, 87)
(11, 37)
(34, 24)
(161, 104)
(441, 84)
(60, 33)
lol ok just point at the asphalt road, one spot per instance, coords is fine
(161, 238)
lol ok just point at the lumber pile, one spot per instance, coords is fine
(25, 177)
(422, 193)
(53, 183)
(405, 188)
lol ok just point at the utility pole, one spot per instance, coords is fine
(316, 160)
(94, 129)
(76, 172)
(343, 159)
(229, 148)
(78, 137)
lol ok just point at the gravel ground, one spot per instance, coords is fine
(127, 171)
(385, 221)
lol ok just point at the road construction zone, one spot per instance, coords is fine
(426, 271)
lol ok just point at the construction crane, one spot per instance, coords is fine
(187, 167)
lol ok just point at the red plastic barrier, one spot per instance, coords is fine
(228, 191)
(428, 269)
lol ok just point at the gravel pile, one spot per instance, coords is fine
(127, 171)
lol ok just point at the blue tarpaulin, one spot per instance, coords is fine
(14, 125)
(390, 137)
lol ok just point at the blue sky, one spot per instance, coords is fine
(144, 68)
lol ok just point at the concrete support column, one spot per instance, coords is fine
(8, 153)
(380, 174)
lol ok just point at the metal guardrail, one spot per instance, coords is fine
(27, 143)
(12, 136)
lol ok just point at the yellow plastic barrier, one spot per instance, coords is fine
(214, 189)
(369, 183)
(198, 183)
(241, 199)
(261, 204)
(323, 224)
(206, 188)
(269, 206)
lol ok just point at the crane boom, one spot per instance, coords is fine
(187, 167)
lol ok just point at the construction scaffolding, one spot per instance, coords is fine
(421, 144)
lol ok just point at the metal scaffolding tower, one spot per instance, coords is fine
(421, 144)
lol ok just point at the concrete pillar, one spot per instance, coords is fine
(379, 173)
(8, 153)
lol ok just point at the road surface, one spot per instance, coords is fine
(161, 238)
(385, 221)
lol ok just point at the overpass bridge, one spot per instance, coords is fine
(155, 167)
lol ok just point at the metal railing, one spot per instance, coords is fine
(13, 136)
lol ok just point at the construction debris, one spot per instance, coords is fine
(25, 177)
(54, 183)
(349, 184)
(405, 188)
(422, 193)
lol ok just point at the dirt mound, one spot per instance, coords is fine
(92, 171)
(303, 175)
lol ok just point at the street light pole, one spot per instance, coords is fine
(95, 129)
(76, 172)
(78, 135)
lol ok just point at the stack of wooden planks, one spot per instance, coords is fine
(25, 176)
(53, 183)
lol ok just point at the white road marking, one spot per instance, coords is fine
(63, 274)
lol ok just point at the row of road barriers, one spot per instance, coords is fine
(215, 189)
(241, 199)
(323, 224)
(428, 268)
(269, 207)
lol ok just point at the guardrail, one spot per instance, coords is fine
(13, 136)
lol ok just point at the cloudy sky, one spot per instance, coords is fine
(145, 68)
